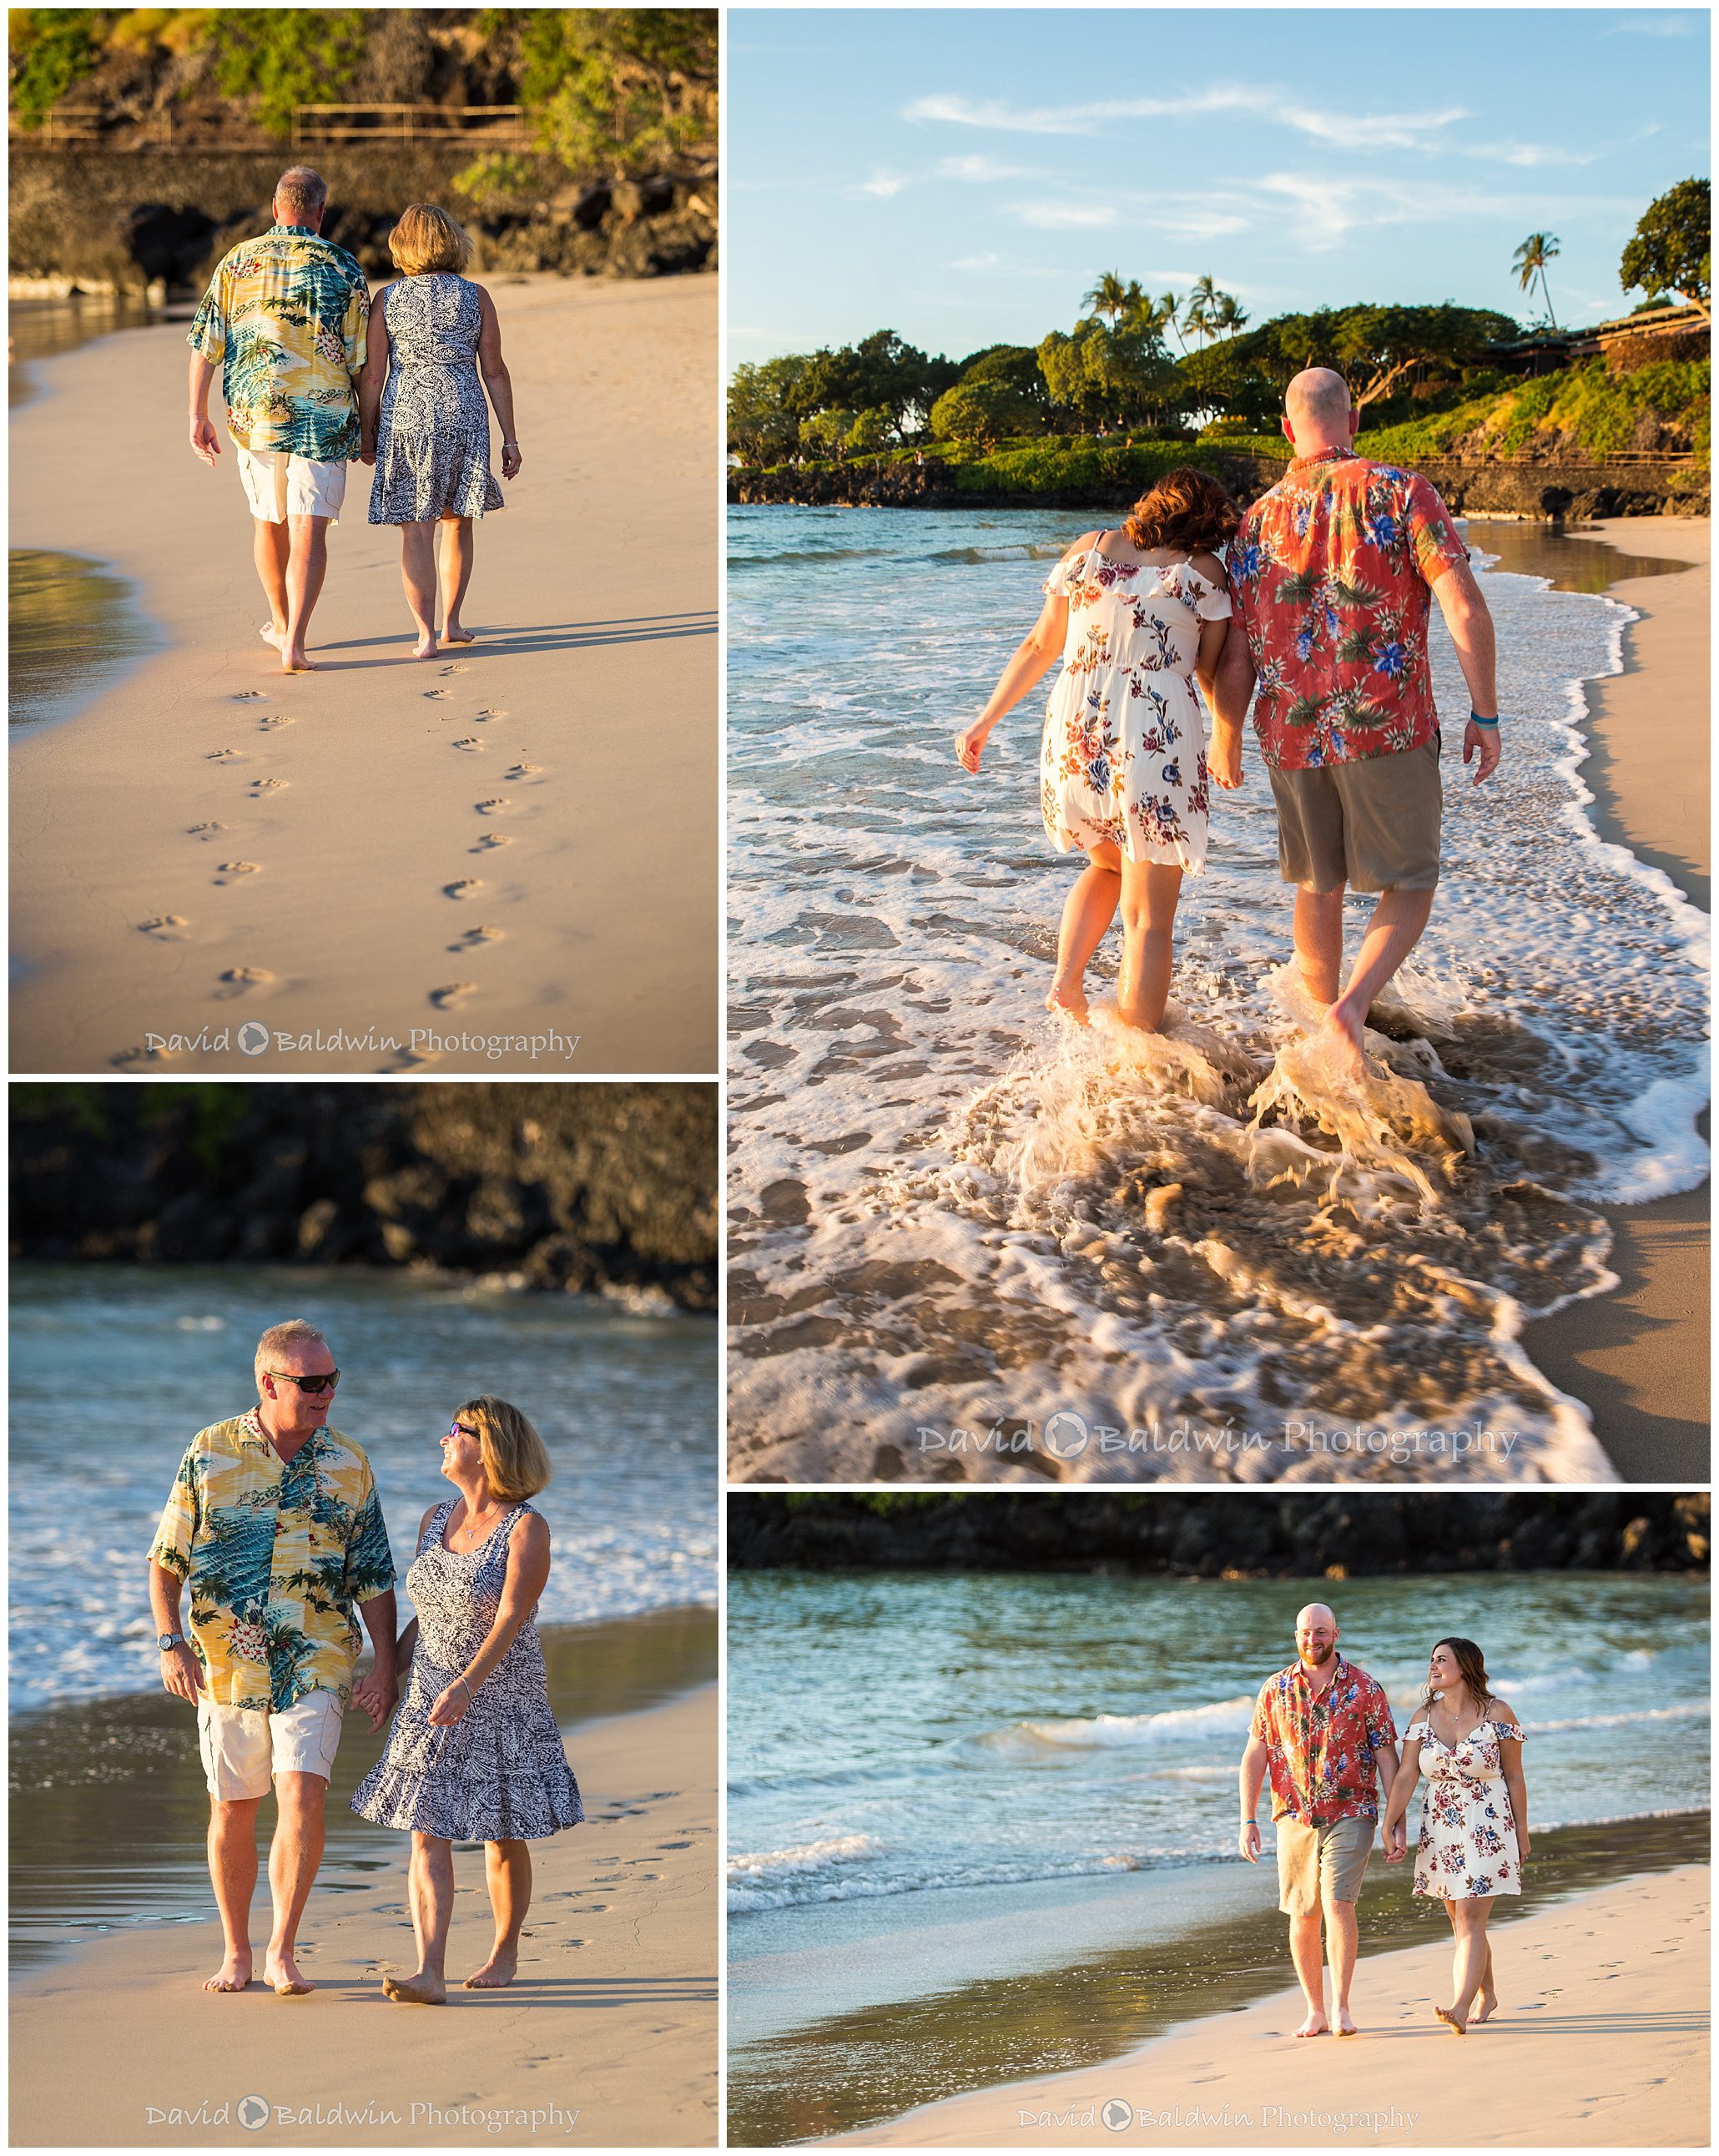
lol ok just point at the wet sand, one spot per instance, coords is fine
(614, 2014)
(514, 839)
(1600, 2041)
(1641, 1357)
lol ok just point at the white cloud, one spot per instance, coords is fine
(1343, 130)
(978, 262)
(980, 169)
(1642, 24)
(883, 185)
(1066, 217)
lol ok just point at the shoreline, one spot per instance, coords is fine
(622, 1937)
(1236, 2077)
(1638, 1355)
(211, 848)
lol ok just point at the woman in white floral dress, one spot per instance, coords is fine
(1474, 1826)
(1137, 616)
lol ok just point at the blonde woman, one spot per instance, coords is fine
(474, 1754)
(423, 420)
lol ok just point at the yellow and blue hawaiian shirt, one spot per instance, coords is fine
(288, 315)
(277, 1553)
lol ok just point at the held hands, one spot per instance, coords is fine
(1224, 758)
(376, 1694)
(1248, 1841)
(182, 1673)
(451, 1706)
(1486, 740)
(205, 442)
(970, 745)
(1396, 1843)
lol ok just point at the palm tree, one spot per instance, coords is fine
(1166, 307)
(1229, 316)
(1108, 296)
(1202, 305)
(1530, 261)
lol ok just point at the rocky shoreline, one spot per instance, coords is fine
(1531, 491)
(589, 1189)
(154, 223)
(1238, 1534)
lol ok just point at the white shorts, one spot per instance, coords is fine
(278, 486)
(243, 1747)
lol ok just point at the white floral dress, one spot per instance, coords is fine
(1468, 1831)
(1124, 756)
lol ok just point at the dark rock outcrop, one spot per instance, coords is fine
(559, 1186)
(1253, 1534)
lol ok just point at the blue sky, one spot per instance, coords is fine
(962, 175)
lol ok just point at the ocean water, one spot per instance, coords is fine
(114, 1367)
(897, 1735)
(74, 629)
(971, 1242)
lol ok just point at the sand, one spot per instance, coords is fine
(614, 2015)
(1601, 2039)
(517, 838)
(1641, 1357)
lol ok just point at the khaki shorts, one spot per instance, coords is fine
(243, 1747)
(278, 485)
(1320, 1864)
(1373, 824)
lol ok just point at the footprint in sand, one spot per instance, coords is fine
(493, 807)
(474, 937)
(247, 696)
(466, 887)
(259, 786)
(454, 994)
(484, 717)
(203, 831)
(470, 744)
(268, 726)
(453, 669)
(524, 771)
(238, 980)
(231, 871)
(437, 695)
(222, 756)
(166, 928)
(488, 842)
(129, 1059)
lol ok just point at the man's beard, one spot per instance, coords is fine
(1316, 1660)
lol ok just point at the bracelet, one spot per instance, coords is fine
(468, 1691)
(1476, 720)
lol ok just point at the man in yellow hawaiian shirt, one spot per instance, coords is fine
(286, 316)
(275, 1523)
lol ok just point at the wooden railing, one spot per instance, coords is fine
(80, 127)
(498, 127)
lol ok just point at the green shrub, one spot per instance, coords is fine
(498, 182)
(51, 48)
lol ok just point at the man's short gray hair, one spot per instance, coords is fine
(278, 1338)
(301, 189)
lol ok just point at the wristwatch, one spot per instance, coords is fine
(169, 1639)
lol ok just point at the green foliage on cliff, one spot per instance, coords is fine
(277, 58)
(1580, 411)
(1672, 250)
(620, 90)
(50, 48)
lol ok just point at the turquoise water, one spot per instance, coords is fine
(941, 1253)
(114, 1367)
(926, 1737)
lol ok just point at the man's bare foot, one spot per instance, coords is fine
(283, 1972)
(1316, 2025)
(295, 662)
(1069, 997)
(1342, 1028)
(1346, 2025)
(422, 1988)
(233, 1975)
(1450, 2020)
(1485, 2006)
(273, 632)
(457, 633)
(501, 1968)
(425, 647)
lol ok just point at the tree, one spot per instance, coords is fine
(1672, 250)
(880, 370)
(825, 433)
(1530, 261)
(1202, 304)
(871, 432)
(618, 89)
(763, 426)
(1374, 347)
(1109, 296)
(1121, 376)
(985, 411)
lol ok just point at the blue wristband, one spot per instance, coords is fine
(1476, 720)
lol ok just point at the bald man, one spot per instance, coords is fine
(1323, 1729)
(1331, 576)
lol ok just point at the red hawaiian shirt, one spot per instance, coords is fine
(1324, 1753)
(1330, 575)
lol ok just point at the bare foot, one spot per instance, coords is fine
(1069, 997)
(1346, 2025)
(273, 632)
(425, 647)
(1316, 2025)
(422, 1988)
(1342, 1028)
(454, 632)
(283, 1972)
(233, 1975)
(1450, 2020)
(1487, 2005)
(294, 661)
(501, 1968)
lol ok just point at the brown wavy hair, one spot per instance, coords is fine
(1185, 509)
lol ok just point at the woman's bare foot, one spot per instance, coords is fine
(233, 1975)
(425, 647)
(283, 1972)
(1069, 997)
(273, 632)
(1316, 2023)
(1485, 2006)
(501, 1968)
(294, 661)
(422, 1988)
(457, 633)
(1346, 2025)
(1450, 2020)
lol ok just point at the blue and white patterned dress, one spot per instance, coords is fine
(432, 432)
(501, 1772)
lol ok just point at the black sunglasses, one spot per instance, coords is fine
(320, 1384)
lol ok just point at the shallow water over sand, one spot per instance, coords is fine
(74, 630)
(969, 1242)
